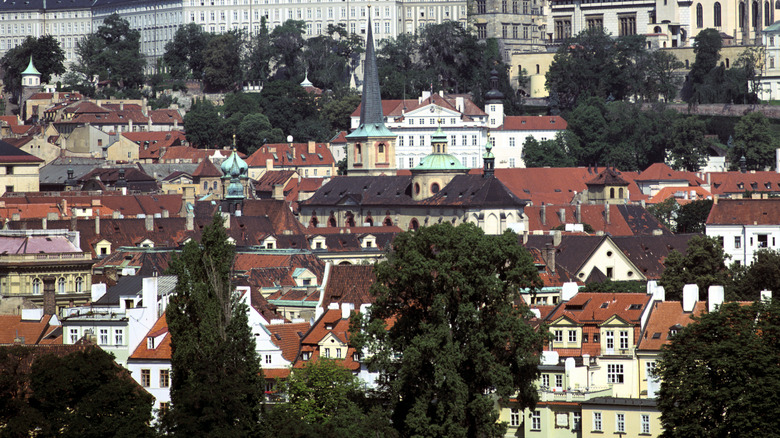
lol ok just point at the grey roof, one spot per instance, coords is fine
(134, 285)
(50, 5)
(160, 171)
(56, 172)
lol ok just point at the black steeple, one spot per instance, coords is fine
(371, 101)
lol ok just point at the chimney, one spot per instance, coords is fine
(49, 299)
(549, 257)
(121, 106)
(690, 297)
(278, 192)
(165, 213)
(269, 164)
(312, 147)
(190, 221)
(149, 222)
(543, 214)
(44, 223)
(715, 296)
(346, 310)
(606, 214)
(562, 215)
(97, 223)
(568, 291)
(578, 212)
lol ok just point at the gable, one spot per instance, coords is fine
(432, 110)
(615, 321)
(564, 321)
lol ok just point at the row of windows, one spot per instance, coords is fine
(620, 423)
(60, 285)
(165, 378)
(103, 336)
(472, 162)
(716, 14)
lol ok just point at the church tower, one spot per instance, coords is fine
(371, 147)
(31, 84)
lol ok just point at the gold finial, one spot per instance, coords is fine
(234, 141)
(440, 119)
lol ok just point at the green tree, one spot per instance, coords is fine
(286, 104)
(661, 78)
(754, 140)
(338, 110)
(47, 55)
(552, 153)
(719, 374)
(457, 333)
(287, 41)
(666, 212)
(222, 62)
(216, 388)
(254, 131)
(258, 60)
(689, 148)
(692, 217)
(184, 55)
(400, 75)
(322, 390)
(203, 125)
(704, 264)
(112, 53)
(70, 396)
(331, 57)
(763, 273)
(632, 286)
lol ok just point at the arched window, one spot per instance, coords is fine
(767, 18)
(657, 29)
(79, 284)
(620, 193)
(387, 222)
(381, 148)
(699, 16)
(742, 14)
(716, 14)
(414, 225)
(416, 188)
(612, 192)
(214, 186)
(350, 219)
(755, 15)
(61, 285)
(36, 286)
(205, 185)
(313, 222)
(358, 153)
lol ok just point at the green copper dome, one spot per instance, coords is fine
(31, 70)
(440, 162)
(439, 136)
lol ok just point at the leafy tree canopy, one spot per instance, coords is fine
(763, 273)
(203, 124)
(689, 150)
(753, 139)
(457, 333)
(47, 55)
(666, 212)
(184, 55)
(216, 388)
(112, 53)
(553, 153)
(719, 374)
(608, 285)
(692, 217)
(704, 264)
(222, 62)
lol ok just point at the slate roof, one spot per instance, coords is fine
(11, 154)
(572, 252)
(166, 171)
(745, 212)
(551, 277)
(56, 172)
(349, 284)
(649, 252)
(162, 350)
(134, 285)
(663, 316)
(135, 178)
(473, 191)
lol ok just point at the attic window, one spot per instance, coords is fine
(303, 158)
(329, 326)
(604, 305)
(278, 338)
(635, 307)
(656, 335)
(319, 156)
(523, 122)
(574, 307)
(552, 120)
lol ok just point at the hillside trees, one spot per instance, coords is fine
(754, 140)
(184, 55)
(47, 55)
(112, 53)
(704, 264)
(216, 388)
(457, 333)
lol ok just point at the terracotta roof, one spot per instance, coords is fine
(206, 169)
(398, 107)
(86, 107)
(288, 338)
(165, 116)
(624, 219)
(608, 176)
(340, 138)
(21, 129)
(349, 284)
(551, 276)
(10, 120)
(683, 195)
(597, 307)
(745, 212)
(722, 183)
(271, 178)
(33, 332)
(151, 142)
(663, 316)
(662, 172)
(329, 322)
(244, 262)
(281, 154)
(533, 123)
(162, 351)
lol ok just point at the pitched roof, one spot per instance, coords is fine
(288, 337)
(609, 176)
(349, 284)
(624, 219)
(533, 123)
(722, 183)
(572, 252)
(744, 212)
(663, 316)
(206, 169)
(648, 253)
(330, 322)
(32, 332)
(281, 154)
(165, 116)
(597, 307)
(150, 142)
(682, 195)
(12, 154)
(662, 172)
(162, 351)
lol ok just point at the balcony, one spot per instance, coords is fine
(574, 395)
(46, 258)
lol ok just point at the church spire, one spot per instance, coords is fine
(371, 101)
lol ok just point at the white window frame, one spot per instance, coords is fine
(536, 420)
(645, 423)
(624, 339)
(615, 373)
(620, 422)
(514, 417)
(573, 336)
(597, 423)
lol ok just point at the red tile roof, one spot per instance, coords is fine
(745, 212)
(662, 172)
(156, 140)
(597, 307)
(21, 129)
(683, 195)
(349, 284)
(281, 154)
(722, 183)
(398, 107)
(533, 123)
(10, 120)
(165, 116)
(624, 220)
(206, 169)
(162, 350)
(663, 316)
(33, 332)
(338, 327)
(288, 337)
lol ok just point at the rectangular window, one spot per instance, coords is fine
(103, 336)
(624, 339)
(400, 141)
(165, 378)
(650, 370)
(558, 335)
(597, 421)
(411, 140)
(511, 142)
(514, 417)
(515, 31)
(511, 162)
(763, 240)
(119, 337)
(559, 380)
(473, 140)
(422, 140)
(737, 242)
(146, 378)
(482, 31)
(268, 356)
(576, 421)
(627, 25)
(620, 422)
(546, 380)
(481, 7)
(536, 420)
(645, 423)
(594, 21)
(610, 340)
(411, 159)
(338, 350)
(504, 30)
(327, 352)
(562, 28)
(74, 335)
(164, 407)
(572, 336)
(615, 373)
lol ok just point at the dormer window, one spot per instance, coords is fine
(150, 342)
(305, 355)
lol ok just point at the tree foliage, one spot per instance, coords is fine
(754, 140)
(216, 387)
(763, 273)
(321, 390)
(458, 333)
(254, 131)
(719, 374)
(692, 217)
(82, 394)
(184, 55)
(222, 62)
(202, 123)
(666, 212)
(332, 57)
(112, 53)
(704, 264)
(553, 153)
(689, 148)
(47, 55)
